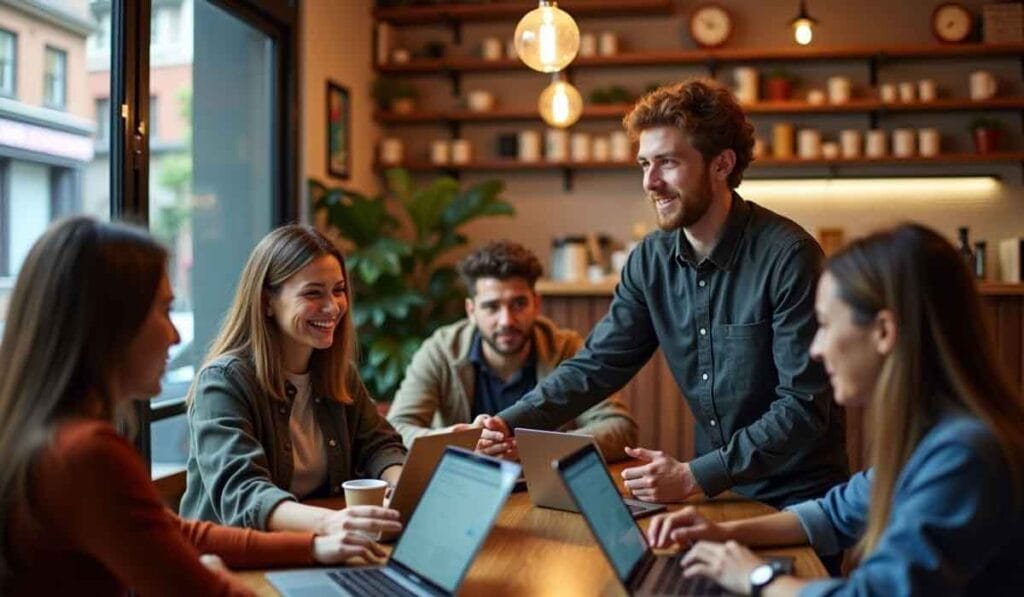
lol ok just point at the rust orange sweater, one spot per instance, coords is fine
(94, 525)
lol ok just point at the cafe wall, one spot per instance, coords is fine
(338, 44)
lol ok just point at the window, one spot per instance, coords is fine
(55, 78)
(8, 62)
(103, 122)
(101, 36)
(153, 118)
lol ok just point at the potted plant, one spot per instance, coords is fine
(404, 284)
(779, 84)
(987, 133)
(396, 95)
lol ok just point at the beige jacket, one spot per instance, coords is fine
(438, 388)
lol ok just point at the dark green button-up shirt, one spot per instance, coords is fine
(736, 330)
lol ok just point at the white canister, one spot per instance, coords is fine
(556, 145)
(808, 144)
(608, 43)
(392, 151)
(529, 146)
(759, 149)
(983, 85)
(875, 144)
(928, 142)
(439, 151)
(903, 141)
(926, 90)
(480, 100)
(588, 45)
(816, 97)
(746, 84)
(574, 258)
(462, 151)
(830, 150)
(580, 143)
(491, 48)
(621, 147)
(838, 90)
(887, 93)
(908, 93)
(849, 143)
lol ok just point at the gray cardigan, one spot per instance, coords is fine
(240, 460)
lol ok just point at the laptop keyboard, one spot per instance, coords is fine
(672, 582)
(369, 582)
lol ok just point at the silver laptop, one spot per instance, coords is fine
(424, 454)
(623, 543)
(444, 534)
(538, 449)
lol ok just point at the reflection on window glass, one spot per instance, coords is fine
(210, 177)
(53, 162)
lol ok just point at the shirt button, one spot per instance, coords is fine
(704, 376)
(332, 443)
(712, 422)
(702, 283)
(283, 410)
(703, 331)
(317, 400)
(287, 447)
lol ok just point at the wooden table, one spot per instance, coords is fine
(538, 551)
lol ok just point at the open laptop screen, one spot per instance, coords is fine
(599, 500)
(452, 519)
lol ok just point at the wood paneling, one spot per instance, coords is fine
(666, 422)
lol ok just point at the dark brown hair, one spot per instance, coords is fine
(501, 259)
(707, 112)
(943, 356)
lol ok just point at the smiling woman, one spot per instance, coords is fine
(278, 412)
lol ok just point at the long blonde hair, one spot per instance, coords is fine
(247, 333)
(83, 292)
(942, 358)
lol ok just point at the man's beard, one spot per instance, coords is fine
(492, 341)
(693, 206)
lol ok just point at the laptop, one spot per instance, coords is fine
(538, 449)
(444, 534)
(623, 543)
(424, 454)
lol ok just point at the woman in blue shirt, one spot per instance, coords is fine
(940, 508)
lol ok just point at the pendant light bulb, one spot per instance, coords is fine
(547, 38)
(560, 104)
(803, 26)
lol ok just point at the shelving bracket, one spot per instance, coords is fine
(567, 179)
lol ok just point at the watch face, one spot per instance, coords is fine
(761, 574)
(710, 26)
(951, 22)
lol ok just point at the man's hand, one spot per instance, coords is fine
(496, 439)
(661, 479)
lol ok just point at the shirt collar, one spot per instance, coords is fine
(725, 249)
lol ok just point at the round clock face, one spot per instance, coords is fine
(710, 25)
(952, 22)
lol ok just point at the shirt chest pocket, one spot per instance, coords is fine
(745, 351)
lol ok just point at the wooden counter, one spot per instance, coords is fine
(537, 551)
(662, 414)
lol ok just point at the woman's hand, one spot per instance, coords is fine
(341, 547)
(683, 527)
(368, 519)
(729, 564)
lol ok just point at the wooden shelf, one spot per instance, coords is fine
(448, 13)
(735, 55)
(617, 111)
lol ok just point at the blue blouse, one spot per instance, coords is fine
(952, 528)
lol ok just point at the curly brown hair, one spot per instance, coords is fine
(500, 259)
(706, 111)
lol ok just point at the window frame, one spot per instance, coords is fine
(14, 64)
(47, 101)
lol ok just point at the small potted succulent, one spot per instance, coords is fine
(615, 94)
(779, 84)
(395, 95)
(987, 133)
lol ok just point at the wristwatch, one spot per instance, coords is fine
(762, 576)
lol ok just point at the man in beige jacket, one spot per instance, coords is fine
(486, 362)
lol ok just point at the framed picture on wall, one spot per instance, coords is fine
(339, 131)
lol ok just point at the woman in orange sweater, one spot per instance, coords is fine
(87, 333)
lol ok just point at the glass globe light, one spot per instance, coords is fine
(560, 104)
(802, 32)
(546, 38)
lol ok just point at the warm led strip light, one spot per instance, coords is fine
(960, 188)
